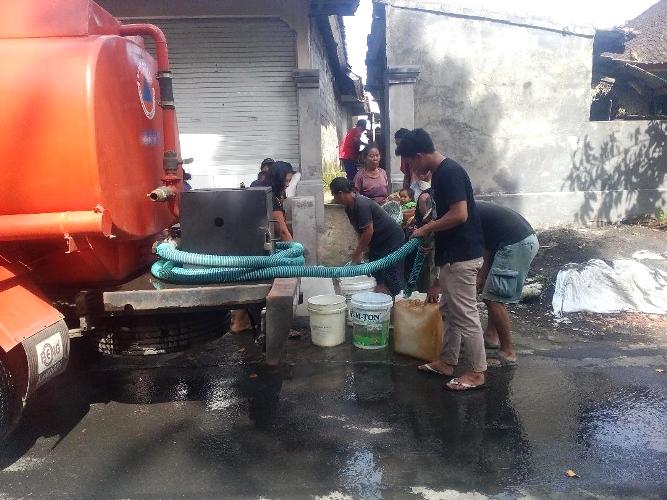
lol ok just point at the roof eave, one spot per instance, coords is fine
(333, 7)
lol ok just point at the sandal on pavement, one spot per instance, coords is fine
(455, 385)
(294, 334)
(426, 367)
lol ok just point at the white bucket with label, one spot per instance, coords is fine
(371, 314)
(355, 284)
(327, 319)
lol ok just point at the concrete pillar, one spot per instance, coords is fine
(280, 306)
(310, 149)
(304, 226)
(400, 105)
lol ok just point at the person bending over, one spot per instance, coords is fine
(510, 246)
(379, 234)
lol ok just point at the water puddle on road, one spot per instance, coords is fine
(632, 418)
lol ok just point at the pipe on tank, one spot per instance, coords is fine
(162, 193)
(164, 72)
(171, 160)
(54, 225)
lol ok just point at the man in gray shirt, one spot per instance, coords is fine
(379, 234)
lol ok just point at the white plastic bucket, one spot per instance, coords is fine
(371, 314)
(327, 320)
(356, 284)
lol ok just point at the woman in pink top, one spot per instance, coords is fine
(371, 181)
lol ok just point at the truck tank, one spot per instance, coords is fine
(88, 151)
(83, 141)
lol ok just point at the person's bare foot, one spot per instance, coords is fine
(467, 382)
(491, 341)
(240, 321)
(439, 367)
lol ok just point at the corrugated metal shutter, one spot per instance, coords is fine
(235, 95)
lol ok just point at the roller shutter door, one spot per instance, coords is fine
(235, 95)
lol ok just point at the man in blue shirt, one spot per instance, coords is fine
(459, 248)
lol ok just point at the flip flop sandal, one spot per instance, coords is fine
(465, 387)
(493, 363)
(294, 334)
(429, 369)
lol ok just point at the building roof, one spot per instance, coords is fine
(348, 84)
(478, 11)
(334, 7)
(647, 40)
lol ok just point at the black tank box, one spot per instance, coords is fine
(227, 221)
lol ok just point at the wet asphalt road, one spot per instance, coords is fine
(345, 423)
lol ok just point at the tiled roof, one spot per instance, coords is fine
(648, 40)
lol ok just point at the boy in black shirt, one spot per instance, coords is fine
(459, 247)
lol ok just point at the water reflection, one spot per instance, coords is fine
(479, 434)
(403, 422)
(623, 429)
(222, 394)
(630, 418)
(261, 387)
(372, 374)
(360, 474)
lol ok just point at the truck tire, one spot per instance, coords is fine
(10, 401)
(145, 335)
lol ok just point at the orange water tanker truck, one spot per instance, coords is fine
(91, 177)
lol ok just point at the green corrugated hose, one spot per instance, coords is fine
(287, 262)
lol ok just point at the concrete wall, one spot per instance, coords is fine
(294, 12)
(339, 240)
(511, 103)
(334, 118)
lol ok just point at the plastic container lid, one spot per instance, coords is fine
(357, 283)
(326, 302)
(371, 300)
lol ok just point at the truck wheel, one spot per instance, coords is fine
(143, 335)
(10, 402)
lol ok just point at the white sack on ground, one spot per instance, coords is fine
(647, 255)
(625, 286)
